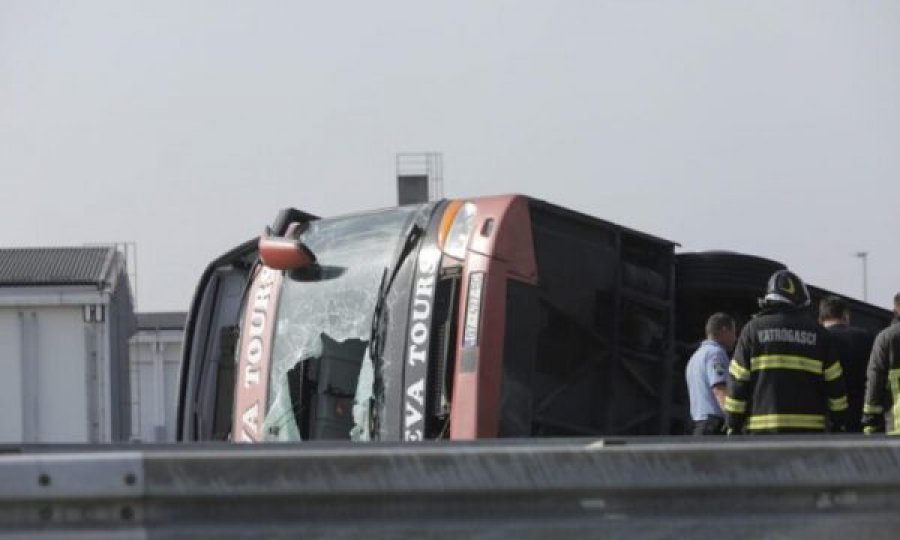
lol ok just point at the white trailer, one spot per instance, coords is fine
(155, 356)
(65, 318)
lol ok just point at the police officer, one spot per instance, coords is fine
(883, 378)
(706, 374)
(785, 376)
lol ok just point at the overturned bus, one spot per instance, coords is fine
(488, 317)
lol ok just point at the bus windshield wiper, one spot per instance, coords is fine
(376, 344)
(376, 338)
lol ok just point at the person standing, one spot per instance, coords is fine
(853, 348)
(707, 373)
(785, 376)
(883, 378)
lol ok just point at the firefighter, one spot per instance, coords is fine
(883, 378)
(785, 376)
(854, 346)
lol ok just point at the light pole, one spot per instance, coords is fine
(864, 257)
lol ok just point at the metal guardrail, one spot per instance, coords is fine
(741, 488)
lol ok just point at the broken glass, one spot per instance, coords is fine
(320, 368)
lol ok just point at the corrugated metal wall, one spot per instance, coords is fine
(45, 390)
(155, 365)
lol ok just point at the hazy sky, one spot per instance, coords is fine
(771, 128)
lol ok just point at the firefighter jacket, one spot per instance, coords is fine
(854, 345)
(785, 376)
(883, 381)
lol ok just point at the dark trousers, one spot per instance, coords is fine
(713, 425)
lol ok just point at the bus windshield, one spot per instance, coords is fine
(321, 374)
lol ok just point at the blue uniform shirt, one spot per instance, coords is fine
(707, 367)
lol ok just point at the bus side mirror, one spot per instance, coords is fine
(282, 253)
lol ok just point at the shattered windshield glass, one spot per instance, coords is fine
(320, 366)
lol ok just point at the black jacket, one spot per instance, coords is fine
(883, 380)
(853, 348)
(785, 376)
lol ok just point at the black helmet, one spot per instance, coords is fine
(785, 287)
